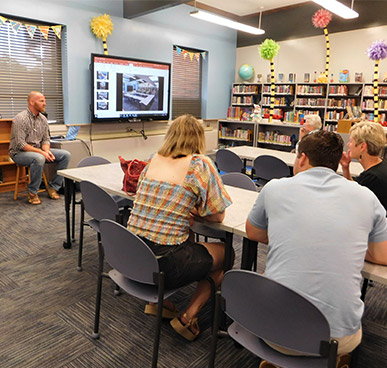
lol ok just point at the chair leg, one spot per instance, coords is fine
(364, 289)
(213, 294)
(215, 329)
(17, 182)
(160, 299)
(81, 227)
(95, 334)
(73, 211)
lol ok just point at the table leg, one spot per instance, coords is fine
(364, 289)
(228, 252)
(249, 254)
(67, 191)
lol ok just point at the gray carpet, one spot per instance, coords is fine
(47, 307)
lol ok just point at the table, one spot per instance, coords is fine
(110, 176)
(250, 153)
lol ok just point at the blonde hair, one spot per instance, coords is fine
(185, 137)
(371, 133)
(314, 120)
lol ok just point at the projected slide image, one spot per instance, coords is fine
(102, 85)
(140, 92)
(102, 75)
(101, 105)
(102, 96)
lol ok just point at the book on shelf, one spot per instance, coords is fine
(344, 76)
(259, 78)
(280, 77)
(306, 77)
(268, 78)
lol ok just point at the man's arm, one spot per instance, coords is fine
(47, 154)
(255, 233)
(377, 253)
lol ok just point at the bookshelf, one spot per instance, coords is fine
(7, 166)
(292, 102)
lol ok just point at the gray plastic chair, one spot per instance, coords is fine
(267, 167)
(99, 205)
(228, 161)
(94, 161)
(135, 270)
(262, 308)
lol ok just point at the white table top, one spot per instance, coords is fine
(250, 153)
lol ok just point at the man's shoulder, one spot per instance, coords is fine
(20, 116)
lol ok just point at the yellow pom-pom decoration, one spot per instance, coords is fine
(102, 26)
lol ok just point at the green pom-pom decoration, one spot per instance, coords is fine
(268, 49)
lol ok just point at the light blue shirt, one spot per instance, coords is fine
(319, 225)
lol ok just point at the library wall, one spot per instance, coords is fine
(307, 55)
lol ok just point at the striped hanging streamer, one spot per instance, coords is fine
(328, 51)
(272, 90)
(376, 95)
(105, 49)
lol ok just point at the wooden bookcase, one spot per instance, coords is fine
(7, 166)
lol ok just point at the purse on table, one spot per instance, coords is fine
(132, 170)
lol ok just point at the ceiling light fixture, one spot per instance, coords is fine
(209, 17)
(338, 8)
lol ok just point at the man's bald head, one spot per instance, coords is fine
(36, 102)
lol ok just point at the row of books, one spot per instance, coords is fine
(310, 102)
(279, 101)
(247, 100)
(276, 111)
(307, 89)
(239, 133)
(371, 117)
(331, 127)
(274, 137)
(369, 104)
(341, 90)
(369, 91)
(245, 88)
(236, 112)
(344, 102)
(298, 116)
(282, 88)
(334, 115)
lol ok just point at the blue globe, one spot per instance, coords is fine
(246, 72)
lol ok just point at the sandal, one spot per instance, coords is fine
(52, 193)
(33, 198)
(167, 313)
(185, 330)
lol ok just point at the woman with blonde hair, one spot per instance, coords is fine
(366, 143)
(179, 182)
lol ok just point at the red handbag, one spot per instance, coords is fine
(132, 170)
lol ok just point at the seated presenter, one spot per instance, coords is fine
(179, 182)
(366, 142)
(30, 146)
(321, 259)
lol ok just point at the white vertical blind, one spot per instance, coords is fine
(186, 85)
(30, 65)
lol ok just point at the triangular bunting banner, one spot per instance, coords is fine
(191, 54)
(44, 30)
(2, 20)
(15, 26)
(57, 30)
(30, 29)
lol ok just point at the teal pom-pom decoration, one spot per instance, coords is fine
(268, 49)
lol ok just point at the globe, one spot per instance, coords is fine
(246, 72)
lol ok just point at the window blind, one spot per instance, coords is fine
(30, 65)
(186, 85)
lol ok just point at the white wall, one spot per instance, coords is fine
(148, 37)
(306, 55)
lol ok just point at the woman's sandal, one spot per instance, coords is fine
(167, 313)
(185, 330)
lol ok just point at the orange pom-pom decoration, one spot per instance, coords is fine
(321, 18)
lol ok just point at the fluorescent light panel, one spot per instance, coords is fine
(209, 17)
(337, 8)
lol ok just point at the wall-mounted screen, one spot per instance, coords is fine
(126, 89)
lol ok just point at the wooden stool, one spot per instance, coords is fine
(23, 177)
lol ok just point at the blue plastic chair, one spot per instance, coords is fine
(267, 167)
